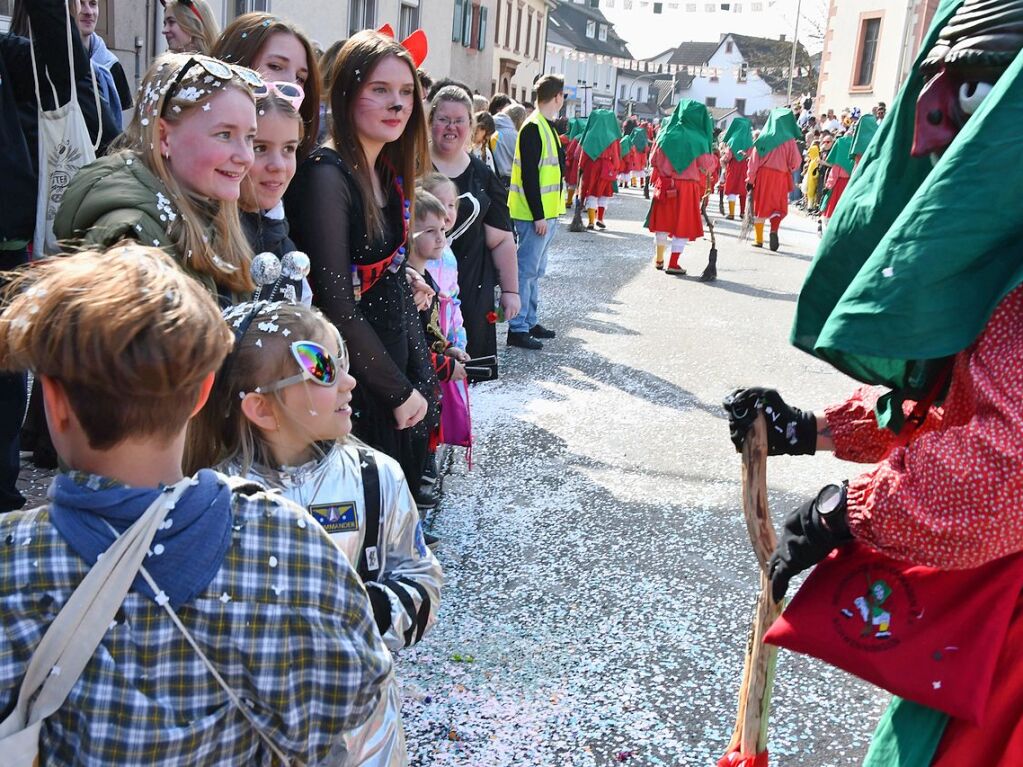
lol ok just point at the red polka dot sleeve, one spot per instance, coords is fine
(854, 428)
(953, 497)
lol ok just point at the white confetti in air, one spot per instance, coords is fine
(225, 597)
(273, 561)
(888, 272)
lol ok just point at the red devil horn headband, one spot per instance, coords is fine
(415, 43)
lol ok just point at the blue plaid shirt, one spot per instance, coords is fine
(285, 621)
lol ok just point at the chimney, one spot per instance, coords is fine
(781, 38)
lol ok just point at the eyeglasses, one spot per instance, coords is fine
(316, 363)
(290, 92)
(218, 69)
(459, 123)
(188, 4)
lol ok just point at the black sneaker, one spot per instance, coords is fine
(539, 331)
(774, 241)
(602, 225)
(523, 341)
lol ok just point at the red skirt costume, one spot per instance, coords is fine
(676, 197)
(572, 163)
(950, 499)
(598, 176)
(836, 194)
(635, 161)
(771, 193)
(735, 176)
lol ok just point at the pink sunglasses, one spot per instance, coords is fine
(290, 92)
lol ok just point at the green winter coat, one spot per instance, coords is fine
(118, 198)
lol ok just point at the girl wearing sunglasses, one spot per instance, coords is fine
(189, 26)
(280, 414)
(281, 53)
(176, 180)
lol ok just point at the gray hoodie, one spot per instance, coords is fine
(504, 148)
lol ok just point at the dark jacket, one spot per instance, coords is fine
(18, 109)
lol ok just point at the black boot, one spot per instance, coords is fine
(774, 240)
(523, 341)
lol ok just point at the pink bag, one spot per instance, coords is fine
(455, 419)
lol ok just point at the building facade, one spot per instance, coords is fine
(869, 48)
(584, 48)
(520, 42)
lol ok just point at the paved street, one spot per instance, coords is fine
(600, 581)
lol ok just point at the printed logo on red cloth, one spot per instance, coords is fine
(874, 605)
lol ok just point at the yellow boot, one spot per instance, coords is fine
(758, 228)
(571, 196)
(659, 258)
(591, 216)
(731, 210)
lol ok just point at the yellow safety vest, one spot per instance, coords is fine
(550, 175)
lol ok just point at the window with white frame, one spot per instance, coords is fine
(6, 9)
(756, 7)
(690, 7)
(710, 7)
(627, 5)
(362, 14)
(602, 34)
(591, 28)
(240, 6)
(408, 18)
(658, 7)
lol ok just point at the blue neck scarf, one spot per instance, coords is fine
(186, 553)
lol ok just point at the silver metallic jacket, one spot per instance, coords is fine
(410, 577)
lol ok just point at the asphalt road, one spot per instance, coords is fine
(600, 582)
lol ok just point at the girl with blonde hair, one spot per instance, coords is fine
(189, 26)
(176, 179)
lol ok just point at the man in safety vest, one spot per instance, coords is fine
(536, 200)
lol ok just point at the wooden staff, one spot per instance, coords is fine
(748, 745)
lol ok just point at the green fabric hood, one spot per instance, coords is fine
(918, 256)
(840, 154)
(866, 128)
(739, 137)
(687, 134)
(601, 131)
(639, 139)
(576, 126)
(781, 126)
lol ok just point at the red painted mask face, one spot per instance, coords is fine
(946, 103)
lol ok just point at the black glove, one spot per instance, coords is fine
(790, 431)
(807, 537)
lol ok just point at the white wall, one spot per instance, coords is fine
(835, 89)
(727, 89)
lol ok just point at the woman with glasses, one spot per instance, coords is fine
(189, 26)
(349, 208)
(280, 52)
(482, 237)
(176, 180)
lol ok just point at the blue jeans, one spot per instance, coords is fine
(532, 266)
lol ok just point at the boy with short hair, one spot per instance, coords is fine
(125, 345)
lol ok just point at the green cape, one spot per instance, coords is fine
(739, 137)
(625, 145)
(917, 257)
(841, 155)
(601, 131)
(866, 128)
(781, 126)
(576, 126)
(687, 134)
(639, 138)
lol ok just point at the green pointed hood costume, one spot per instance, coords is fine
(602, 130)
(639, 139)
(866, 128)
(840, 154)
(576, 126)
(739, 137)
(687, 134)
(781, 126)
(917, 257)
